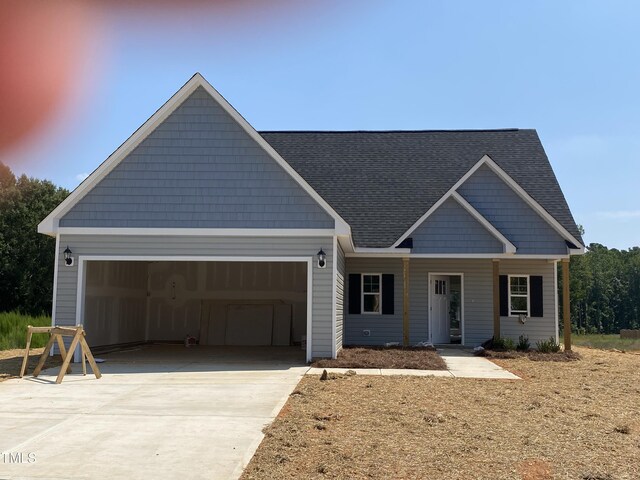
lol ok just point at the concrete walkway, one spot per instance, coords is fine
(159, 412)
(464, 364)
(460, 363)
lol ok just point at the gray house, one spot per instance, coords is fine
(199, 225)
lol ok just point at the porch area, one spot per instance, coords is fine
(453, 301)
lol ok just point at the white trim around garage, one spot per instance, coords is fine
(50, 224)
(82, 259)
(55, 285)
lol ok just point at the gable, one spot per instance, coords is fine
(198, 169)
(452, 229)
(510, 214)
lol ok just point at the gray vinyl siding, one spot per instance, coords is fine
(540, 328)
(198, 169)
(383, 328)
(478, 300)
(122, 245)
(451, 229)
(340, 292)
(510, 214)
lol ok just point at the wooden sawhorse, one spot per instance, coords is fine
(55, 335)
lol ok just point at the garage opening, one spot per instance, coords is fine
(220, 303)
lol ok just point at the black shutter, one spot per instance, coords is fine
(387, 294)
(535, 284)
(504, 296)
(354, 293)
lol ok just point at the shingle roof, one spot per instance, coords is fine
(382, 182)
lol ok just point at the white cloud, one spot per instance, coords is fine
(81, 176)
(620, 214)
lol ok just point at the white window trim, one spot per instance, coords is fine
(528, 294)
(362, 294)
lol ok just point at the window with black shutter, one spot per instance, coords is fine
(371, 293)
(521, 295)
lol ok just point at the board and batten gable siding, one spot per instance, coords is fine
(478, 300)
(340, 296)
(536, 328)
(510, 214)
(198, 169)
(451, 229)
(155, 246)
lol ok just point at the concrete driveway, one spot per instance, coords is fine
(158, 412)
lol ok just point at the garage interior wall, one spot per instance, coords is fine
(220, 303)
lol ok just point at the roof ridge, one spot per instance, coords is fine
(398, 131)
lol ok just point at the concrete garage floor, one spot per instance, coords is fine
(158, 412)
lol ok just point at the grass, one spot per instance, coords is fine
(574, 420)
(381, 357)
(606, 342)
(13, 330)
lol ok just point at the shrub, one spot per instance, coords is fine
(502, 343)
(523, 344)
(548, 346)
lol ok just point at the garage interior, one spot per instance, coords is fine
(219, 303)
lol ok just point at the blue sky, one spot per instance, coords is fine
(569, 69)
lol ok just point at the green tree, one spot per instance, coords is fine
(605, 289)
(26, 257)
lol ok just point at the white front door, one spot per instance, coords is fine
(440, 309)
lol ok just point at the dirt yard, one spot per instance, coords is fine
(378, 357)
(11, 361)
(570, 420)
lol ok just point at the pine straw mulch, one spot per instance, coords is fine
(533, 355)
(11, 362)
(384, 357)
(575, 420)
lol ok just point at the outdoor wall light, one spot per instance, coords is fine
(68, 259)
(322, 259)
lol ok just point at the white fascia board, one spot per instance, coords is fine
(396, 251)
(212, 232)
(486, 160)
(49, 224)
(378, 252)
(539, 209)
(454, 256)
(508, 246)
(346, 242)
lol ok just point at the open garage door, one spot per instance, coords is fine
(252, 303)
